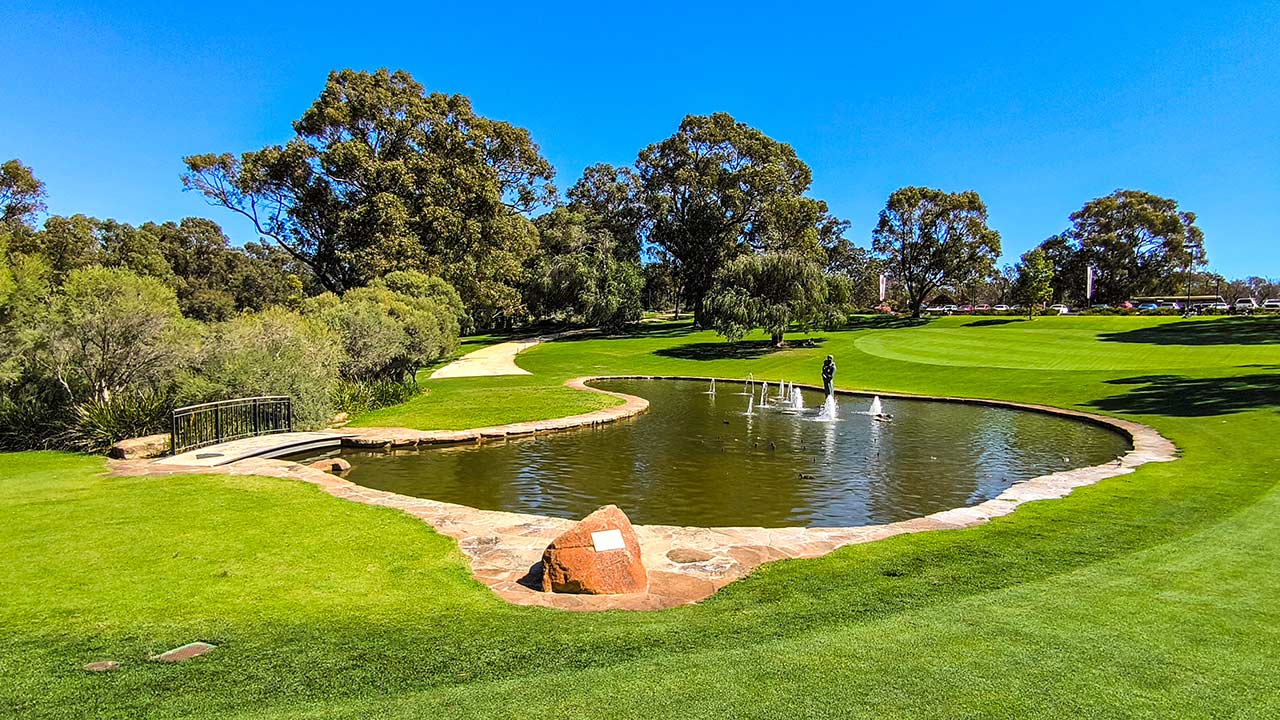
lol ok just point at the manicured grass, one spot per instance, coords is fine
(457, 403)
(1155, 594)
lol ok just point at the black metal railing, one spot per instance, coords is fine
(196, 426)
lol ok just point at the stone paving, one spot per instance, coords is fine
(684, 564)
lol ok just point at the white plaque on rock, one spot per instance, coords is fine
(607, 540)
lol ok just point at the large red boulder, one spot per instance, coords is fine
(598, 556)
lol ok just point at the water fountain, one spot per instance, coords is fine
(797, 400)
(748, 388)
(751, 406)
(712, 391)
(875, 408)
(764, 394)
(828, 411)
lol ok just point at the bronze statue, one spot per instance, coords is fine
(829, 375)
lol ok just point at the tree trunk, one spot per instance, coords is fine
(777, 338)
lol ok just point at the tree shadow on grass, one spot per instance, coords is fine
(637, 330)
(1222, 331)
(885, 322)
(994, 321)
(1181, 396)
(740, 350)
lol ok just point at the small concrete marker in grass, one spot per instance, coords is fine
(101, 666)
(185, 652)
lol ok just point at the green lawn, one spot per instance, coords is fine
(1155, 594)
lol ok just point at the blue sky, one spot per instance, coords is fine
(1037, 108)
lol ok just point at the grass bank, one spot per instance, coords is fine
(1156, 594)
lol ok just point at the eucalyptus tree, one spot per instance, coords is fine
(929, 237)
(381, 175)
(860, 267)
(1137, 243)
(719, 188)
(21, 194)
(608, 198)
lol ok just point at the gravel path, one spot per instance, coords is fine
(497, 359)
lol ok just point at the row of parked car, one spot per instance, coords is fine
(1240, 306)
(1243, 305)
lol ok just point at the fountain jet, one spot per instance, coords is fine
(712, 391)
(828, 412)
(875, 408)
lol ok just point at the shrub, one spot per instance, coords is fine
(109, 332)
(392, 327)
(359, 397)
(274, 352)
(96, 425)
(31, 422)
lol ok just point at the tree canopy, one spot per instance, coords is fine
(928, 237)
(581, 274)
(719, 188)
(381, 175)
(1034, 282)
(773, 291)
(211, 279)
(21, 193)
(1138, 243)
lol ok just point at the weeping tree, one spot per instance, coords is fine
(580, 273)
(773, 292)
(928, 237)
(381, 175)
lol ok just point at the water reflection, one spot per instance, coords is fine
(697, 459)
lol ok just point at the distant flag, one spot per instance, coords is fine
(882, 287)
(1088, 283)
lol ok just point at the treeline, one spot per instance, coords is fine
(105, 326)
(395, 218)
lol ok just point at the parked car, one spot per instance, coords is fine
(1271, 304)
(1169, 306)
(949, 309)
(1060, 309)
(1245, 305)
(1100, 306)
(1001, 308)
(935, 309)
(1223, 307)
(1147, 307)
(981, 307)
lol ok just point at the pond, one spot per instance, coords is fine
(699, 459)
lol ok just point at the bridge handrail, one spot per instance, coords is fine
(195, 426)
